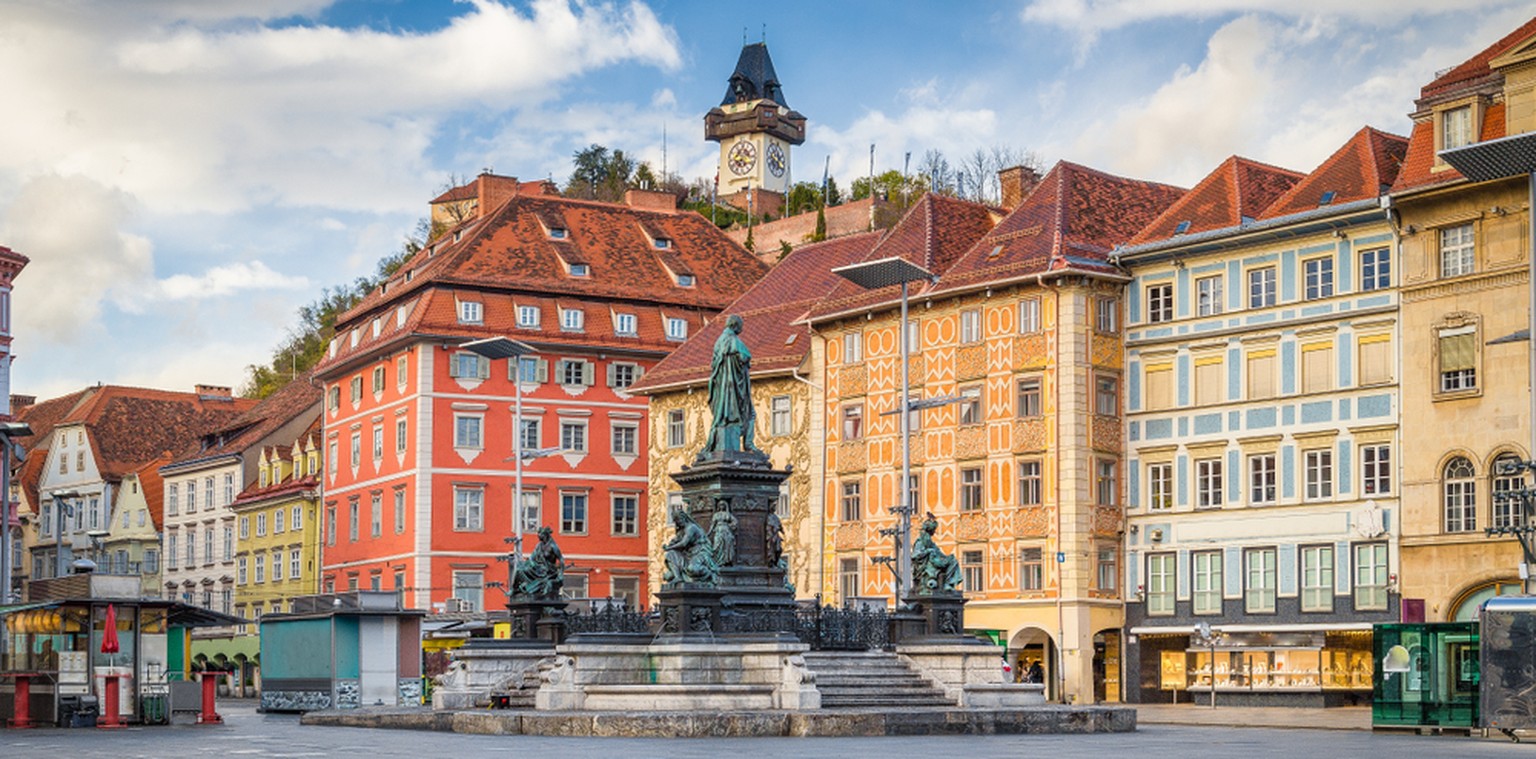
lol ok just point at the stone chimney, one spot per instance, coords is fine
(651, 200)
(20, 402)
(491, 190)
(215, 392)
(1016, 182)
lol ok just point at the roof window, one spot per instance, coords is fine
(580, 270)
(662, 243)
(558, 233)
(1182, 227)
(1327, 198)
(685, 280)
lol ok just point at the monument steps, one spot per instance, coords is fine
(869, 679)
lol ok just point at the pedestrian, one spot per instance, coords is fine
(1036, 672)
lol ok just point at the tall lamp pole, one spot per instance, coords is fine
(8, 431)
(61, 499)
(873, 275)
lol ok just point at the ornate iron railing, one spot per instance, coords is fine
(609, 619)
(827, 628)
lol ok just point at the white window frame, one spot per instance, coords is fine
(1205, 582)
(1316, 566)
(1318, 474)
(1375, 469)
(677, 329)
(781, 415)
(1160, 303)
(1318, 277)
(1208, 295)
(1209, 486)
(528, 317)
(970, 326)
(1160, 486)
(1372, 578)
(1262, 292)
(1260, 576)
(468, 508)
(469, 431)
(471, 312)
(1458, 250)
(1029, 316)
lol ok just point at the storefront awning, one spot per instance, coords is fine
(1314, 627)
(4, 610)
(184, 615)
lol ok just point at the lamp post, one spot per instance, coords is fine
(63, 509)
(505, 347)
(1209, 636)
(872, 275)
(8, 431)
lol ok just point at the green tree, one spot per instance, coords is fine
(785, 249)
(645, 179)
(803, 197)
(834, 195)
(589, 168)
(820, 232)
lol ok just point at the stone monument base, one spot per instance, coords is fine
(679, 676)
(486, 666)
(690, 612)
(537, 619)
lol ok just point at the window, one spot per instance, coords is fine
(1259, 587)
(1208, 296)
(471, 312)
(1162, 574)
(208, 546)
(1160, 487)
(1460, 496)
(532, 510)
(625, 325)
(171, 556)
(261, 525)
(229, 488)
(151, 560)
(848, 579)
(466, 365)
(780, 415)
(1108, 569)
(573, 436)
(970, 326)
(853, 509)
(1206, 581)
(357, 449)
(333, 397)
(1458, 359)
(376, 515)
(469, 589)
(1261, 478)
(355, 387)
(245, 528)
(853, 347)
(781, 505)
(853, 421)
(626, 515)
(1029, 397)
(401, 365)
(675, 428)
(378, 444)
(1317, 578)
(354, 520)
(277, 566)
(530, 435)
(191, 549)
(1319, 273)
(1106, 314)
(1370, 576)
(970, 405)
(573, 513)
(574, 373)
(972, 571)
(1159, 386)
(914, 493)
(1507, 482)
(467, 431)
(1319, 474)
(1261, 374)
(378, 379)
(1375, 269)
(1376, 359)
(528, 317)
(1106, 482)
(580, 270)
(970, 489)
(621, 374)
(685, 280)
(1208, 487)
(572, 319)
(399, 510)
(677, 329)
(1456, 127)
(1029, 315)
(1317, 367)
(191, 496)
(623, 439)
(172, 497)
(1457, 256)
(242, 575)
(1261, 287)
(330, 526)
(1107, 396)
(295, 564)
(1210, 381)
(468, 509)
(1029, 483)
(330, 461)
(296, 519)
(1160, 303)
(400, 436)
(1031, 569)
(1375, 469)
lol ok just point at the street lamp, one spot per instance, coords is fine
(1487, 161)
(873, 275)
(505, 347)
(8, 431)
(1209, 636)
(63, 509)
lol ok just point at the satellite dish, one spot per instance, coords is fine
(1397, 660)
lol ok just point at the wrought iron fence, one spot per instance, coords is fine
(610, 619)
(827, 628)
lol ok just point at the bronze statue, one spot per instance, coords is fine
(773, 540)
(689, 558)
(730, 393)
(542, 574)
(933, 571)
(722, 533)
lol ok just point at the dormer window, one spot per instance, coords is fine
(1456, 127)
(1181, 228)
(677, 329)
(580, 270)
(528, 317)
(685, 280)
(1327, 198)
(471, 312)
(572, 319)
(376, 326)
(662, 243)
(558, 233)
(624, 325)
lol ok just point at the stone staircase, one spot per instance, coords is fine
(870, 680)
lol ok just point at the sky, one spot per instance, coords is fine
(184, 174)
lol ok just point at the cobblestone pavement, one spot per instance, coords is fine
(1336, 718)
(248, 734)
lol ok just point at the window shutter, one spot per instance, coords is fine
(1261, 374)
(1209, 385)
(1316, 368)
(453, 365)
(482, 367)
(588, 373)
(541, 374)
(1457, 351)
(639, 372)
(1375, 360)
(611, 368)
(1160, 387)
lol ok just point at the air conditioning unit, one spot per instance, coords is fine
(457, 606)
(1156, 535)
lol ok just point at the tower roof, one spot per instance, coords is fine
(754, 78)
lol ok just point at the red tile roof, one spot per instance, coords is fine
(1071, 220)
(772, 313)
(293, 400)
(1364, 167)
(152, 485)
(1470, 71)
(1419, 164)
(284, 450)
(1237, 191)
(933, 234)
(506, 258)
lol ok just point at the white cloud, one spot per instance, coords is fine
(227, 280)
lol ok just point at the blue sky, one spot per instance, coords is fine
(185, 174)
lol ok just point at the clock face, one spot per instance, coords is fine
(742, 158)
(776, 162)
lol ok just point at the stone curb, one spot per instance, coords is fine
(821, 723)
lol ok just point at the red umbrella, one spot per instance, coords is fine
(109, 636)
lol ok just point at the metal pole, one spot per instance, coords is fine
(5, 526)
(1213, 670)
(58, 537)
(517, 477)
(1530, 255)
(904, 539)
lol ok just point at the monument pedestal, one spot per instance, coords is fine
(690, 612)
(537, 619)
(942, 618)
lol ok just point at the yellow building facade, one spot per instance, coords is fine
(277, 553)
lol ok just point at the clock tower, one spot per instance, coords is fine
(756, 129)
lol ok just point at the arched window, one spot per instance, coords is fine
(1508, 511)
(1460, 496)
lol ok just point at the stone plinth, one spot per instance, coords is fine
(750, 484)
(486, 666)
(537, 619)
(960, 665)
(690, 612)
(943, 617)
(679, 675)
